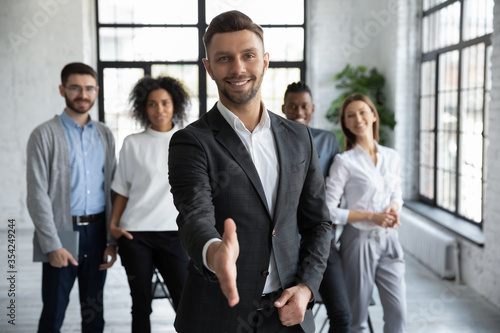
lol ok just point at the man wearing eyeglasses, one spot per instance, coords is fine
(70, 165)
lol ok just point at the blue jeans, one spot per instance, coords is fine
(58, 282)
(334, 293)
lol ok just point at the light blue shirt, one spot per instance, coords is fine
(86, 158)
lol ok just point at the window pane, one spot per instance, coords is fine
(118, 83)
(471, 157)
(148, 11)
(148, 44)
(274, 85)
(473, 66)
(427, 149)
(427, 182)
(446, 190)
(285, 44)
(487, 88)
(188, 75)
(471, 198)
(478, 18)
(447, 150)
(441, 28)
(428, 79)
(447, 91)
(448, 72)
(260, 11)
(427, 113)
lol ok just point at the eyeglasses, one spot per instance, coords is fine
(75, 89)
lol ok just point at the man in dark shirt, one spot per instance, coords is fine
(298, 106)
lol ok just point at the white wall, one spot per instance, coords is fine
(37, 38)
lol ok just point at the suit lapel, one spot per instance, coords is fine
(228, 138)
(283, 152)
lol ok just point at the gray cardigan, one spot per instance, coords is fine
(48, 178)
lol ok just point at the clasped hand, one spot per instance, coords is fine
(389, 218)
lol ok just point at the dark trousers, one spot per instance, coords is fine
(140, 256)
(58, 282)
(334, 293)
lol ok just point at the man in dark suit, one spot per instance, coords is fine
(246, 182)
(298, 106)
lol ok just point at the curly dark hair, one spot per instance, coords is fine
(140, 92)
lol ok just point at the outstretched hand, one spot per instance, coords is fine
(221, 258)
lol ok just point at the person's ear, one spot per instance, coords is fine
(206, 63)
(266, 61)
(61, 90)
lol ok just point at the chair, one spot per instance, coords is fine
(320, 303)
(159, 288)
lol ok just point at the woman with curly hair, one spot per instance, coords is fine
(144, 215)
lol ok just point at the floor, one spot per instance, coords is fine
(434, 305)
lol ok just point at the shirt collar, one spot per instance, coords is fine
(68, 121)
(162, 135)
(237, 124)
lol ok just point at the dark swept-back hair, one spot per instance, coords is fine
(76, 68)
(230, 21)
(297, 87)
(140, 92)
(350, 138)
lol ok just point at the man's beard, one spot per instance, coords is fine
(70, 104)
(245, 97)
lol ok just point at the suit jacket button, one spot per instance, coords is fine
(265, 273)
(274, 232)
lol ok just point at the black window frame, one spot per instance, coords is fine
(434, 55)
(201, 27)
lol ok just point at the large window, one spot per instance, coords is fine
(163, 37)
(454, 94)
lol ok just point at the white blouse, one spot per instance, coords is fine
(363, 185)
(142, 177)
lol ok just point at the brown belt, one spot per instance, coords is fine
(86, 219)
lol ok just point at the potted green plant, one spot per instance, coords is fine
(370, 83)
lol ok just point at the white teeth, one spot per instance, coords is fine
(239, 83)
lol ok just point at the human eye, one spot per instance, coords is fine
(223, 59)
(90, 89)
(75, 88)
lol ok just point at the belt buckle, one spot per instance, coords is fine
(78, 223)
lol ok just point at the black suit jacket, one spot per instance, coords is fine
(212, 177)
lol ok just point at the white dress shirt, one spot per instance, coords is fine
(262, 149)
(363, 185)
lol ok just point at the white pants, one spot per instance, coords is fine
(370, 257)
